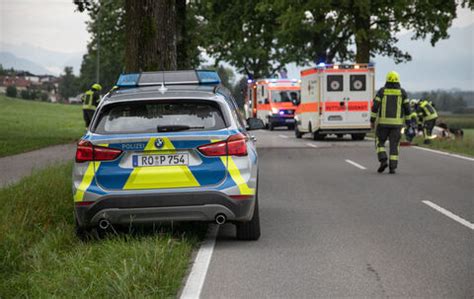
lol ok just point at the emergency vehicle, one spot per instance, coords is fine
(167, 146)
(336, 99)
(274, 101)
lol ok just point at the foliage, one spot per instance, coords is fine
(68, 85)
(11, 91)
(454, 101)
(242, 33)
(106, 25)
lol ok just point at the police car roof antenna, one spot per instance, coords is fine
(163, 88)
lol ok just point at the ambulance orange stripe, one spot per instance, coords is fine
(346, 70)
(308, 107)
(334, 107)
(308, 72)
(358, 106)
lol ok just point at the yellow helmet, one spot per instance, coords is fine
(97, 86)
(393, 77)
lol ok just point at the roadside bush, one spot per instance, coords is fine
(44, 97)
(11, 91)
(25, 94)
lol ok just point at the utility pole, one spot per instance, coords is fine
(97, 67)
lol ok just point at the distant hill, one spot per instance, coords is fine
(8, 60)
(53, 61)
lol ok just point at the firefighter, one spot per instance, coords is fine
(391, 110)
(427, 115)
(90, 100)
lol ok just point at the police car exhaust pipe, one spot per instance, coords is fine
(220, 218)
(104, 224)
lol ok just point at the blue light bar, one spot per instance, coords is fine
(128, 80)
(208, 77)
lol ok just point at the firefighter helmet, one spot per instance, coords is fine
(393, 77)
(97, 86)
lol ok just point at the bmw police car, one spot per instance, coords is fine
(167, 146)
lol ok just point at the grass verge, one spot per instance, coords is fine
(40, 256)
(28, 125)
(463, 146)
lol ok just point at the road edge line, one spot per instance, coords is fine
(356, 164)
(444, 153)
(449, 214)
(193, 287)
(311, 145)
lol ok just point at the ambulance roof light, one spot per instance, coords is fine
(249, 81)
(356, 66)
(321, 65)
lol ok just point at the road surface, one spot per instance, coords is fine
(333, 227)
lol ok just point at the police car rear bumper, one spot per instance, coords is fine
(150, 208)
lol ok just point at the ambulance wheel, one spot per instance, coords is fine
(359, 136)
(298, 134)
(317, 136)
(339, 136)
(250, 230)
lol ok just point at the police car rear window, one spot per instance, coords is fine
(160, 116)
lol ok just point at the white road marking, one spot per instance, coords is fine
(283, 136)
(312, 145)
(444, 153)
(449, 214)
(355, 164)
(193, 287)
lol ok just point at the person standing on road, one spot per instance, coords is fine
(427, 115)
(90, 100)
(390, 111)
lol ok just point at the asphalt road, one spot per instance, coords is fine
(332, 229)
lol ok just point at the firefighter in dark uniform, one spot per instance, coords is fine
(427, 115)
(392, 111)
(90, 100)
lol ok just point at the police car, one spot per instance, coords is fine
(167, 146)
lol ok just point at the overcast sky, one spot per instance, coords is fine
(54, 24)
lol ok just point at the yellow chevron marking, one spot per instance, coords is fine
(237, 176)
(86, 180)
(154, 177)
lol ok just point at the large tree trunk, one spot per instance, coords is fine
(362, 31)
(181, 36)
(150, 35)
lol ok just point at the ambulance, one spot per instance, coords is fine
(336, 99)
(274, 101)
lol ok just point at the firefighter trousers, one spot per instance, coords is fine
(87, 114)
(428, 129)
(393, 134)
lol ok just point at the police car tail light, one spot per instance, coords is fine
(86, 151)
(235, 145)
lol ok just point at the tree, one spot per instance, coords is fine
(150, 35)
(68, 86)
(242, 33)
(11, 91)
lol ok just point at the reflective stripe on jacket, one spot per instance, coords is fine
(88, 100)
(391, 107)
(426, 111)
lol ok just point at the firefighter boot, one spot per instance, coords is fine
(383, 166)
(393, 166)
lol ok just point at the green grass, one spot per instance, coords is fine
(458, 121)
(40, 256)
(28, 125)
(463, 146)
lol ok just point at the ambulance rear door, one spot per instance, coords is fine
(360, 91)
(334, 93)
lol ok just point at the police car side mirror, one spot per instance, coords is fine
(255, 124)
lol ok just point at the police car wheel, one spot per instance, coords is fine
(291, 127)
(271, 126)
(317, 136)
(250, 231)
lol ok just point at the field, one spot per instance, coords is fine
(458, 121)
(28, 125)
(40, 256)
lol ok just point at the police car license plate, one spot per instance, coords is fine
(290, 120)
(160, 160)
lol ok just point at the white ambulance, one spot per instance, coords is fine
(336, 99)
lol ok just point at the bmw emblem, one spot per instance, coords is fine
(159, 142)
